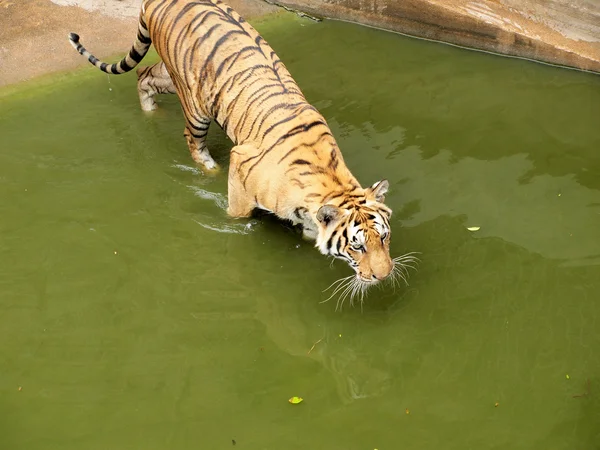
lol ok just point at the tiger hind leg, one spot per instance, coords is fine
(241, 203)
(153, 80)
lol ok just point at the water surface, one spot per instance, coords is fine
(136, 315)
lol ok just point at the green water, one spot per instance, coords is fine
(197, 331)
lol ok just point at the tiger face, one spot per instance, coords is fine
(356, 229)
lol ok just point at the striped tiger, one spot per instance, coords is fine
(285, 159)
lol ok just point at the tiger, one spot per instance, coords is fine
(284, 159)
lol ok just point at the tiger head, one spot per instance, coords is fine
(355, 227)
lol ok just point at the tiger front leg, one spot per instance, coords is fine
(196, 140)
(241, 202)
(153, 80)
(310, 232)
(309, 227)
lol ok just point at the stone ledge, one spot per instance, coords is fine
(570, 36)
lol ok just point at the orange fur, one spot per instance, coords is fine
(285, 159)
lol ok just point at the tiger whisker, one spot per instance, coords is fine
(342, 283)
(337, 281)
(402, 264)
(356, 285)
(399, 273)
(401, 267)
(341, 287)
(360, 289)
(407, 265)
(340, 303)
(395, 275)
(409, 254)
(407, 259)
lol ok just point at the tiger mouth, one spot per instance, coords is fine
(368, 281)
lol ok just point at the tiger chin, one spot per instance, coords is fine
(285, 159)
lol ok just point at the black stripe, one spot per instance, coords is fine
(306, 144)
(300, 161)
(287, 119)
(333, 162)
(278, 142)
(235, 57)
(264, 89)
(263, 117)
(133, 54)
(203, 126)
(300, 129)
(199, 136)
(271, 110)
(143, 39)
(183, 12)
(162, 13)
(201, 17)
(124, 66)
(231, 104)
(258, 39)
(216, 47)
(331, 197)
(231, 82)
(344, 237)
(299, 183)
(329, 244)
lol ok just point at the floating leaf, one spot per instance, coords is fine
(567, 376)
(473, 228)
(295, 400)
(407, 411)
(496, 404)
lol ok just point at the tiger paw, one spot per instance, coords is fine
(211, 169)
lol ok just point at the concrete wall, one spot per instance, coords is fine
(565, 32)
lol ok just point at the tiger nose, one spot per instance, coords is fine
(382, 276)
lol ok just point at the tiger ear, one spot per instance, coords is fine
(379, 189)
(328, 214)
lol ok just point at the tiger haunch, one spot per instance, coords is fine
(285, 159)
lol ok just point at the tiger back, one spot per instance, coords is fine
(285, 159)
